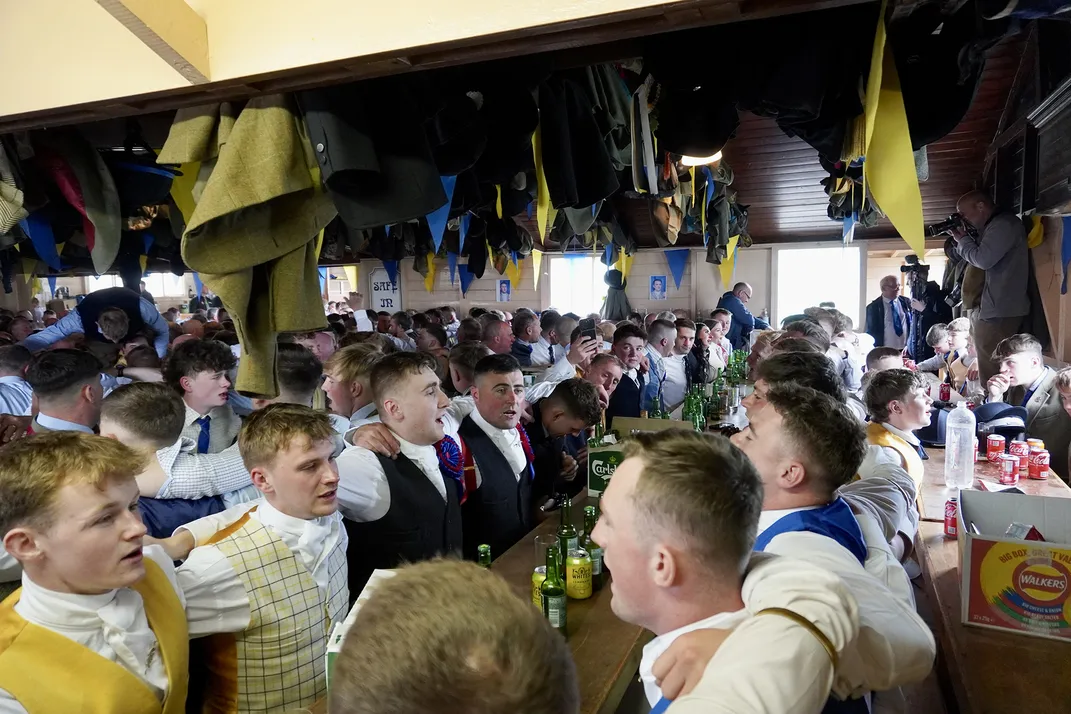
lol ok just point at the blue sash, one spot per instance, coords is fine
(834, 520)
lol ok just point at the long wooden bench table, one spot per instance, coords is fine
(990, 672)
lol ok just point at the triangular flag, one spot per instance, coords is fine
(537, 264)
(323, 281)
(429, 279)
(182, 189)
(198, 284)
(52, 284)
(463, 230)
(847, 233)
(889, 168)
(147, 240)
(28, 266)
(42, 238)
(437, 219)
(498, 199)
(35, 286)
(465, 277)
(143, 261)
(513, 256)
(451, 260)
(727, 265)
(392, 271)
(351, 276)
(542, 190)
(624, 263)
(677, 260)
(513, 272)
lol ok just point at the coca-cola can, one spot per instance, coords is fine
(945, 392)
(1039, 465)
(951, 513)
(994, 447)
(1009, 470)
(1022, 450)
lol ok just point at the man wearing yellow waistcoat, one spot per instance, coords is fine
(276, 567)
(99, 626)
(899, 403)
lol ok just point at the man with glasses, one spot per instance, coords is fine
(888, 316)
(743, 322)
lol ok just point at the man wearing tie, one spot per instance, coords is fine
(198, 371)
(547, 351)
(627, 399)
(887, 317)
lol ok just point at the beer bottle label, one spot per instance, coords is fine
(571, 544)
(556, 611)
(596, 560)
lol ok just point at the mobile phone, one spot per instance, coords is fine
(587, 328)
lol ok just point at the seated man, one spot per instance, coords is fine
(547, 350)
(347, 376)
(525, 337)
(806, 446)
(1026, 381)
(605, 372)
(497, 335)
(679, 543)
(99, 623)
(571, 408)
(880, 359)
(277, 568)
(627, 399)
(661, 336)
(197, 371)
(899, 403)
(401, 509)
(444, 665)
(68, 388)
(16, 394)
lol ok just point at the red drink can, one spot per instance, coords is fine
(1009, 470)
(1022, 450)
(951, 513)
(994, 447)
(946, 391)
(1039, 465)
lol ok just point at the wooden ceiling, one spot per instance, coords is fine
(779, 176)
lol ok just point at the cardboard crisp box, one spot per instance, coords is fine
(1010, 584)
(341, 629)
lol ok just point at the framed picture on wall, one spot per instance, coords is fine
(658, 287)
(503, 294)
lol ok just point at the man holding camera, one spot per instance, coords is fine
(998, 248)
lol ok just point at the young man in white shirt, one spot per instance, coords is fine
(679, 544)
(547, 350)
(899, 403)
(806, 445)
(660, 340)
(720, 342)
(16, 395)
(91, 594)
(347, 382)
(401, 509)
(274, 569)
(197, 371)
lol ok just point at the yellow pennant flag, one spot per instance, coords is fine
(143, 261)
(182, 189)
(28, 266)
(513, 272)
(726, 267)
(543, 209)
(889, 168)
(429, 279)
(35, 286)
(351, 276)
(498, 199)
(624, 264)
(537, 264)
(59, 248)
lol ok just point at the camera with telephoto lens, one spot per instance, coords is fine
(917, 275)
(950, 225)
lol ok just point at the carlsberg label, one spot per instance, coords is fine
(602, 462)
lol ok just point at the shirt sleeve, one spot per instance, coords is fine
(999, 238)
(559, 371)
(192, 475)
(216, 600)
(363, 492)
(8, 705)
(152, 317)
(64, 327)
(933, 364)
(12, 402)
(204, 528)
(886, 492)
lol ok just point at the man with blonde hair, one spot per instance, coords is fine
(276, 568)
(99, 623)
(508, 659)
(347, 382)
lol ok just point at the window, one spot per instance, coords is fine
(807, 277)
(158, 284)
(576, 283)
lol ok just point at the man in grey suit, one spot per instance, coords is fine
(1025, 381)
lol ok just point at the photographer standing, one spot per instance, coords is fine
(929, 307)
(1000, 250)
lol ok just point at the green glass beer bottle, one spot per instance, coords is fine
(484, 554)
(568, 538)
(594, 549)
(552, 594)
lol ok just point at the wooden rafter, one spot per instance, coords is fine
(171, 29)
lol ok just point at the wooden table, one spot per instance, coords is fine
(990, 672)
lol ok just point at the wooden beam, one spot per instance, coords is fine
(171, 29)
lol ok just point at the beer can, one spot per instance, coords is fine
(578, 574)
(946, 391)
(1009, 469)
(994, 447)
(1022, 450)
(538, 576)
(1039, 465)
(951, 512)
(1035, 443)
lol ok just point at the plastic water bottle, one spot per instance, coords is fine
(959, 447)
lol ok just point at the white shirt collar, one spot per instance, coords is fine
(1037, 382)
(275, 519)
(48, 607)
(423, 456)
(192, 415)
(768, 518)
(905, 435)
(54, 424)
(508, 441)
(364, 412)
(14, 379)
(312, 540)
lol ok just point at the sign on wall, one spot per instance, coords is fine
(386, 297)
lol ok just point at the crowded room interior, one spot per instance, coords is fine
(590, 357)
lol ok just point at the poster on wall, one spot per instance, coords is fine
(658, 287)
(386, 297)
(504, 289)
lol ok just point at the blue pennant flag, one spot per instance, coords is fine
(44, 242)
(323, 279)
(52, 284)
(392, 270)
(609, 254)
(198, 284)
(451, 259)
(463, 230)
(847, 233)
(677, 260)
(437, 218)
(148, 239)
(513, 255)
(466, 278)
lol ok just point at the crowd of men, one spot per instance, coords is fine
(190, 547)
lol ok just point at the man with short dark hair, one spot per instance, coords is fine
(571, 408)
(525, 337)
(1025, 380)
(627, 399)
(198, 371)
(112, 315)
(899, 403)
(880, 359)
(469, 330)
(68, 389)
(546, 350)
(401, 323)
(463, 360)
(16, 395)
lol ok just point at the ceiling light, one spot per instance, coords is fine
(701, 160)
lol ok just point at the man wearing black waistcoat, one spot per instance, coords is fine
(627, 399)
(402, 509)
